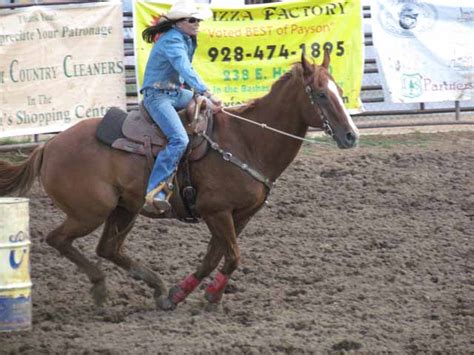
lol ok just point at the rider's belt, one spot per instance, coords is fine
(168, 92)
(166, 86)
(150, 91)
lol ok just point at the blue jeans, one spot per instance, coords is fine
(163, 106)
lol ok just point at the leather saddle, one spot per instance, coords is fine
(135, 132)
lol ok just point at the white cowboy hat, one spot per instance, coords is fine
(187, 8)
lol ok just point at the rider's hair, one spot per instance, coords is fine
(163, 25)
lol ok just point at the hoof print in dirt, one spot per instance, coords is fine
(212, 307)
(346, 345)
(116, 317)
(110, 316)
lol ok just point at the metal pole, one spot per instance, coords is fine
(457, 108)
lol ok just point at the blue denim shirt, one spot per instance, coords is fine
(169, 64)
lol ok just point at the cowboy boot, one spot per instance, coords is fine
(159, 197)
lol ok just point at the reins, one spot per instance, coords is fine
(314, 98)
(265, 126)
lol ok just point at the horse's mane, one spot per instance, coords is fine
(295, 73)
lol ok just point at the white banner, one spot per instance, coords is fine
(425, 49)
(59, 65)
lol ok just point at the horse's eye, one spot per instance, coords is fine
(322, 95)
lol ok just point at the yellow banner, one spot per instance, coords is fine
(242, 51)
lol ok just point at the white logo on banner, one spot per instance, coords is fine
(405, 18)
(411, 85)
(425, 49)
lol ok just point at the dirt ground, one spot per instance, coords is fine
(369, 250)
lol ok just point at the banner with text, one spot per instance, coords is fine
(242, 51)
(59, 65)
(425, 49)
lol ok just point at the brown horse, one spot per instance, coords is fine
(93, 183)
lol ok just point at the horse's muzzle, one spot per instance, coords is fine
(348, 140)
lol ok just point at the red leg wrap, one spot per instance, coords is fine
(215, 290)
(185, 287)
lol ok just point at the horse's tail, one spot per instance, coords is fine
(19, 178)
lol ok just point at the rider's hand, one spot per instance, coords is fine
(216, 102)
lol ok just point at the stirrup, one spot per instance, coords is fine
(151, 199)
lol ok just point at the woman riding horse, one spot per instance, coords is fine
(168, 65)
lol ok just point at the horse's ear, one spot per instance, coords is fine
(307, 67)
(327, 58)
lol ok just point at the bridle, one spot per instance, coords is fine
(315, 97)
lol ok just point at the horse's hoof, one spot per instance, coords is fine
(99, 293)
(100, 311)
(110, 316)
(158, 293)
(165, 303)
(213, 298)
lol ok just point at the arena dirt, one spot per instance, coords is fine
(368, 250)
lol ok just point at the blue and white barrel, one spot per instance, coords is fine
(15, 282)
